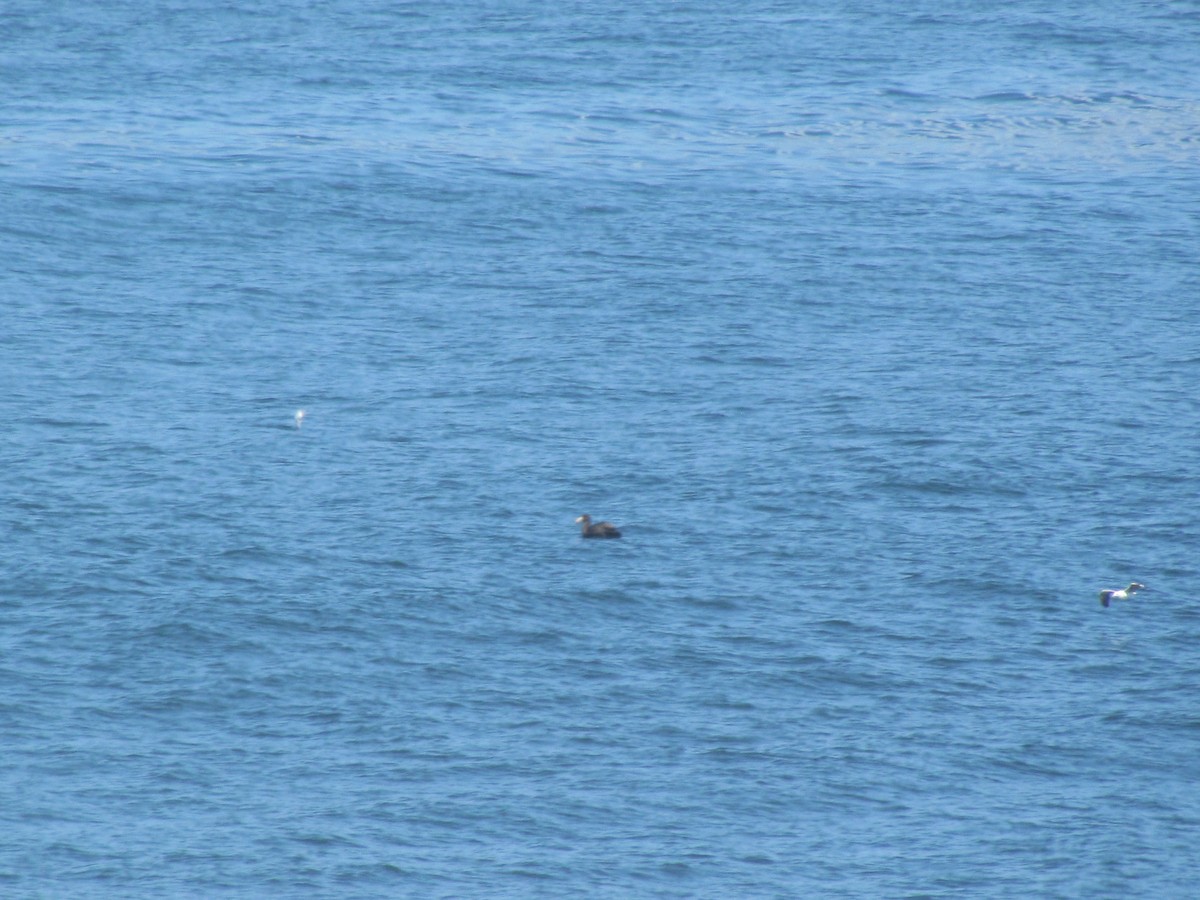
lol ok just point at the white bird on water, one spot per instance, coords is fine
(299, 417)
(1106, 597)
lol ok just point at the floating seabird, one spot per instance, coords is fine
(599, 529)
(1107, 597)
(299, 417)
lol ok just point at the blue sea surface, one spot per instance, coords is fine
(875, 327)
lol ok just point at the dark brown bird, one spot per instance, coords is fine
(598, 529)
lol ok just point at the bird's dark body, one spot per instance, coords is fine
(598, 529)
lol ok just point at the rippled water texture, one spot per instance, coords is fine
(874, 329)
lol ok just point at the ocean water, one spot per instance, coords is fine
(876, 327)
